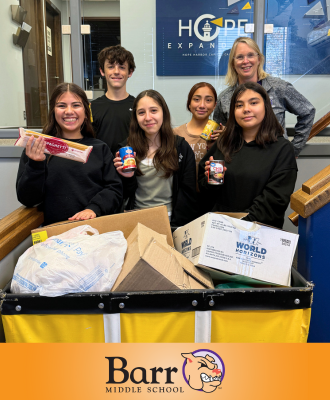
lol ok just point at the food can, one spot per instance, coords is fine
(127, 158)
(216, 172)
(208, 129)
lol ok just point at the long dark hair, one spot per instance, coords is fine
(166, 157)
(231, 141)
(51, 127)
(198, 86)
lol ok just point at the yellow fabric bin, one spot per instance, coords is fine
(185, 316)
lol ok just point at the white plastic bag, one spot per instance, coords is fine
(72, 262)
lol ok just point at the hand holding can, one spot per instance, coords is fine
(208, 130)
(127, 158)
(130, 165)
(215, 171)
(217, 132)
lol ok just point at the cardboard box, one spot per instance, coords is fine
(226, 246)
(151, 264)
(154, 218)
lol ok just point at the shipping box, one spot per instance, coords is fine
(151, 264)
(154, 218)
(229, 247)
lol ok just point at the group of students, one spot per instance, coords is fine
(172, 164)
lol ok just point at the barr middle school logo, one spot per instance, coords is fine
(203, 370)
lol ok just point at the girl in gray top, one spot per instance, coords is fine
(166, 172)
(246, 65)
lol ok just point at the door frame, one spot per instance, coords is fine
(56, 13)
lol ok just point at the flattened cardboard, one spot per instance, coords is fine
(151, 264)
(257, 252)
(154, 218)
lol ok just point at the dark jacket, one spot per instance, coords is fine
(184, 203)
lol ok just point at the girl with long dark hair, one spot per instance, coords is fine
(69, 189)
(166, 173)
(261, 166)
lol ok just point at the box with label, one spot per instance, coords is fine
(155, 218)
(227, 245)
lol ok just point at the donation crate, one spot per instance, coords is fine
(275, 314)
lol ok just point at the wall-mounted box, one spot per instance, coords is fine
(18, 14)
(22, 35)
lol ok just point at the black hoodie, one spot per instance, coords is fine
(65, 187)
(258, 181)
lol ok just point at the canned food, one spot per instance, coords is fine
(216, 172)
(208, 129)
(127, 158)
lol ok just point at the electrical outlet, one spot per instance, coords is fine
(24, 115)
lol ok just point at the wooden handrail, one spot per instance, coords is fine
(317, 127)
(17, 226)
(317, 181)
(314, 194)
(294, 218)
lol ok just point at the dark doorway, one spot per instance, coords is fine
(104, 32)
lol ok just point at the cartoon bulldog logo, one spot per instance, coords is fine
(203, 370)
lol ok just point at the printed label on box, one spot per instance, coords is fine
(39, 237)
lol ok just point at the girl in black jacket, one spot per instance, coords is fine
(67, 189)
(165, 173)
(261, 166)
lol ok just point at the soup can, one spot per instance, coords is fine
(127, 158)
(216, 172)
(208, 129)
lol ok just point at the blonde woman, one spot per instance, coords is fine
(246, 65)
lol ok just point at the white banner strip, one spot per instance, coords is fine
(203, 326)
(112, 328)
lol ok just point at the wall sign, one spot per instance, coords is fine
(49, 41)
(194, 37)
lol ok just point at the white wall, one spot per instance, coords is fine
(12, 103)
(8, 174)
(138, 34)
(316, 89)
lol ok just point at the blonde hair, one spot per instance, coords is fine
(231, 77)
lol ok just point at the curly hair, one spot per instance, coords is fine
(116, 54)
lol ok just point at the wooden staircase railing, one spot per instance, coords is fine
(317, 127)
(314, 194)
(17, 226)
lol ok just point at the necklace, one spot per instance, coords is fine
(75, 140)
